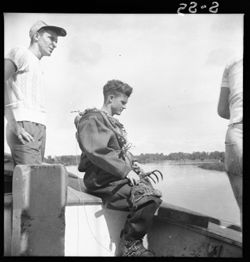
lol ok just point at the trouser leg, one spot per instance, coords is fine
(233, 162)
(140, 220)
(31, 152)
(140, 217)
(236, 184)
(42, 142)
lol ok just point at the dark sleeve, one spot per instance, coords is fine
(93, 138)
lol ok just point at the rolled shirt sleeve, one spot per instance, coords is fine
(18, 57)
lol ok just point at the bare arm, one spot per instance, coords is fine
(9, 70)
(223, 104)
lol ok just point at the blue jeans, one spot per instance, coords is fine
(234, 161)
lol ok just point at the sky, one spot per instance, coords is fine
(173, 62)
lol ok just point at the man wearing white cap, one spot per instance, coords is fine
(24, 94)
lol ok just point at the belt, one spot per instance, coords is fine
(37, 124)
(238, 125)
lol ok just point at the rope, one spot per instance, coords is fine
(85, 211)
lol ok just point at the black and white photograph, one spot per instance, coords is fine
(123, 134)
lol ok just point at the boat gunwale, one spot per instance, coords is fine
(201, 230)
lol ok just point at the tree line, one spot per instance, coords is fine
(181, 156)
(147, 158)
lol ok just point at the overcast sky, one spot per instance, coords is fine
(173, 62)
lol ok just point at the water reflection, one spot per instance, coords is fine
(205, 191)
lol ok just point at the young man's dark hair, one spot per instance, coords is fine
(115, 87)
(110, 169)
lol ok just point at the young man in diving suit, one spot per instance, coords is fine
(110, 170)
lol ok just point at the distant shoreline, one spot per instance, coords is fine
(204, 164)
(181, 162)
(213, 166)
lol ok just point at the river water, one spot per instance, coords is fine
(204, 191)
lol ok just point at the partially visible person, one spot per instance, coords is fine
(24, 94)
(110, 169)
(230, 106)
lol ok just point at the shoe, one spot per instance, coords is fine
(133, 248)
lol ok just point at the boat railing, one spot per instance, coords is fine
(49, 212)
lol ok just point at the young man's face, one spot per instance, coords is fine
(47, 41)
(118, 104)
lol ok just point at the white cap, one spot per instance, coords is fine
(40, 25)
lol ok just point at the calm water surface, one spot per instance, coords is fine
(205, 191)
